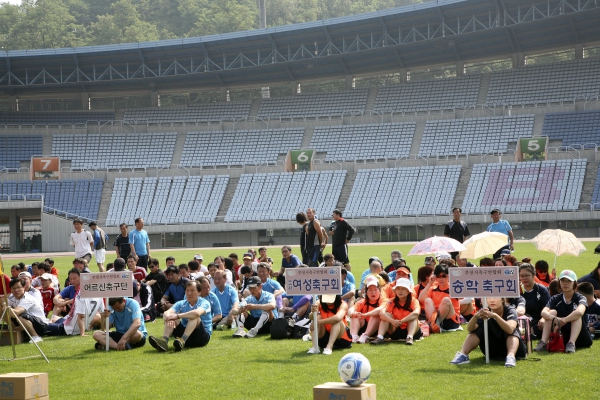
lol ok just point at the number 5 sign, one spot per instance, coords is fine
(45, 168)
(532, 149)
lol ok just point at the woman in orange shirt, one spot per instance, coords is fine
(400, 317)
(364, 315)
(331, 324)
(441, 310)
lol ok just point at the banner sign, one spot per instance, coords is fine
(484, 282)
(106, 284)
(313, 281)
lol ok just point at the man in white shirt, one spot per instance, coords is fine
(82, 241)
(24, 307)
(36, 294)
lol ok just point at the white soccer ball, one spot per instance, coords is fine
(354, 369)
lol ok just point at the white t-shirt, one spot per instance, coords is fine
(37, 296)
(196, 275)
(82, 241)
(88, 307)
(203, 269)
(29, 304)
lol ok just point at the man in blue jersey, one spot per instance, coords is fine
(228, 299)
(215, 305)
(502, 226)
(130, 332)
(189, 320)
(256, 311)
(264, 272)
(140, 244)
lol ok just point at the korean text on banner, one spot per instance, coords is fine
(107, 284)
(313, 281)
(484, 282)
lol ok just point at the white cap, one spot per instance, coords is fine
(402, 282)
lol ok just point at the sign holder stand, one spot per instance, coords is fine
(315, 332)
(485, 335)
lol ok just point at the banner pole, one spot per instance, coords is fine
(107, 326)
(485, 334)
(315, 333)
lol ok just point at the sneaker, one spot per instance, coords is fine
(541, 346)
(511, 361)
(37, 339)
(354, 338)
(98, 346)
(570, 347)
(251, 333)
(327, 352)
(159, 344)
(409, 341)
(312, 350)
(307, 337)
(377, 341)
(220, 327)
(179, 344)
(363, 339)
(128, 346)
(460, 359)
(240, 333)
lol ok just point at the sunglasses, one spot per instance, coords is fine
(441, 276)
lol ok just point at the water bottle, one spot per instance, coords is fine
(233, 325)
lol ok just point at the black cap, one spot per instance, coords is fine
(119, 264)
(92, 224)
(171, 268)
(253, 281)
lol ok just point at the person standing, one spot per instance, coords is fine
(82, 241)
(122, 245)
(140, 244)
(314, 238)
(303, 221)
(502, 226)
(342, 233)
(100, 239)
(456, 229)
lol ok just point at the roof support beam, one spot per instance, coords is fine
(329, 40)
(396, 51)
(575, 34)
(216, 74)
(287, 69)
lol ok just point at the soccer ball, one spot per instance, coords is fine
(354, 369)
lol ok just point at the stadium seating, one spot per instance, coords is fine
(596, 194)
(243, 147)
(118, 150)
(200, 112)
(403, 191)
(569, 80)
(429, 95)
(352, 142)
(54, 118)
(167, 200)
(526, 186)
(14, 149)
(74, 197)
(279, 196)
(315, 104)
(574, 129)
(473, 135)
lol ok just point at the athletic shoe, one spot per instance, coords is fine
(240, 333)
(327, 352)
(354, 338)
(409, 341)
(511, 361)
(179, 344)
(98, 346)
(570, 347)
(312, 350)
(363, 339)
(36, 339)
(128, 346)
(220, 327)
(460, 359)
(307, 337)
(541, 346)
(377, 341)
(159, 344)
(251, 333)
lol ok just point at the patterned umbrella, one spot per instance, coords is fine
(435, 245)
(558, 242)
(483, 243)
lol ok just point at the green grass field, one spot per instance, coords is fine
(264, 369)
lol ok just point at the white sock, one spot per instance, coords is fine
(379, 336)
(264, 317)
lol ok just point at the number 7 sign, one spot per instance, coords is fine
(45, 168)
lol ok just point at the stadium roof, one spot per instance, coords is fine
(433, 33)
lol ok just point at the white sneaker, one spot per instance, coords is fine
(251, 333)
(363, 339)
(307, 337)
(36, 339)
(312, 350)
(327, 352)
(355, 338)
(240, 333)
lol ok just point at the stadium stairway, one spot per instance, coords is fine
(308, 134)
(254, 108)
(105, 197)
(483, 88)
(227, 197)
(46, 145)
(119, 114)
(538, 125)
(371, 98)
(589, 181)
(418, 137)
(346, 190)
(461, 189)
(178, 148)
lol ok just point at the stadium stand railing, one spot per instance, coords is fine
(279, 196)
(63, 118)
(220, 111)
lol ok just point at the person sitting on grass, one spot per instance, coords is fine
(375, 267)
(442, 311)
(399, 318)
(364, 315)
(505, 342)
(189, 320)
(64, 300)
(541, 273)
(48, 292)
(331, 324)
(348, 288)
(536, 297)
(176, 290)
(264, 272)
(256, 311)
(215, 307)
(593, 278)
(592, 313)
(139, 273)
(130, 331)
(566, 309)
(554, 288)
(28, 310)
(228, 300)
